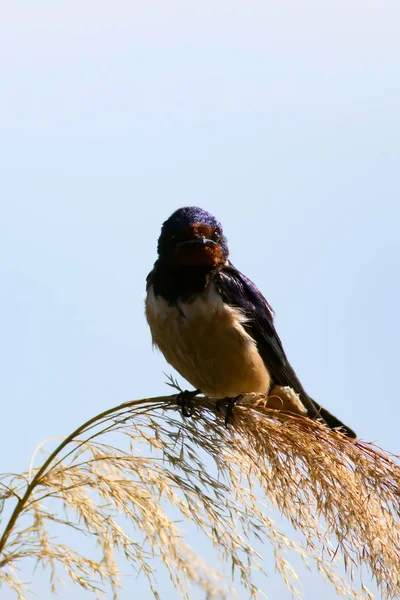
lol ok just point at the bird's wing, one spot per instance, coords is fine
(238, 291)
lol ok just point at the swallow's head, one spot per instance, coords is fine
(192, 237)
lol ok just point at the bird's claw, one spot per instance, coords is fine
(228, 403)
(184, 400)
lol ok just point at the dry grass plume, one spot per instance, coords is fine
(115, 476)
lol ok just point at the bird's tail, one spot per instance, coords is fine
(332, 421)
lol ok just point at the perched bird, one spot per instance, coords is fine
(212, 323)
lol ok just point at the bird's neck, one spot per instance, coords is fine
(180, 283)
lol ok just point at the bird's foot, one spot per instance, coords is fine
(184, 400)
(228, 404)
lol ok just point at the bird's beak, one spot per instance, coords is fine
(201, 240)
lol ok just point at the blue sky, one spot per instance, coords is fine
(280, 118)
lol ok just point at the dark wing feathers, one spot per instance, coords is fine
(239, 291)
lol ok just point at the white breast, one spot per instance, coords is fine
(205, 341)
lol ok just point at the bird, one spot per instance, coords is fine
(214, 326)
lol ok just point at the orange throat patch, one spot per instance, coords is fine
(199, 255)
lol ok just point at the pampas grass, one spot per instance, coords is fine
(115, 476)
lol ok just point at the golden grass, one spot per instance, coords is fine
(138, 458)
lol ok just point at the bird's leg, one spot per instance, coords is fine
(184, 400)
(229, 404)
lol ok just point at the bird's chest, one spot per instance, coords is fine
(205, 341)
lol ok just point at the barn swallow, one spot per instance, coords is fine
(212, 323)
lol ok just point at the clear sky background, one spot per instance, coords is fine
(280, 117)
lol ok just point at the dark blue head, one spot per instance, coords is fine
(192, 237)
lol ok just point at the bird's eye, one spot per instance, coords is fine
(215, 236)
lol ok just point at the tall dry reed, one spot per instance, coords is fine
(115, 477)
